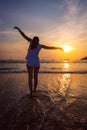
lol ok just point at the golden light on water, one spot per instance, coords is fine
(67, 48)
(66, 65)
(64, 84)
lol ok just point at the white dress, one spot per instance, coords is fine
(32, 56)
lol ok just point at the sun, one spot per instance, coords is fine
(67, 48)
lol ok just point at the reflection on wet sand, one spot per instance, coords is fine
(38, 113)
(60, 104)
(64, 84)
(62, 89)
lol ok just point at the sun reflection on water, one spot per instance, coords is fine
(64, 84)
(66, 65)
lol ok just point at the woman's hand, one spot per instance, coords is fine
(22, 33)
(16, 28)
(61, 49)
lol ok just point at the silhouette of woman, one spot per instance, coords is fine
(33, 63)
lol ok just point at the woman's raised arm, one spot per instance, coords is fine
(51, 47)
(22, 33)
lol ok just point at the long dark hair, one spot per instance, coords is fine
(34, 42)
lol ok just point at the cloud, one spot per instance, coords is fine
(73, 28)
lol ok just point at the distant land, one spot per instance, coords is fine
(84, 58)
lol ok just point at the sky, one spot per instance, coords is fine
(55, 22)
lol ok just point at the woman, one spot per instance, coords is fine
(33, 63)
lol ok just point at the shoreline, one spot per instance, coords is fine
(42, 72)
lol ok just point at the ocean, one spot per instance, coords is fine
(18, 66)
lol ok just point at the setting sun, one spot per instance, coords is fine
(67, 48)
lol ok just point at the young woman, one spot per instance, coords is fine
(33, 63)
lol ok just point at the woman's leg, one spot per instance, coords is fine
(36, 70)
(30, 72)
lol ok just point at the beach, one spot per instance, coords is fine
(60, 102)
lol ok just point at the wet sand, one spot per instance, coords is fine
(60, 102)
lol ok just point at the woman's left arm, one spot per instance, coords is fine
(51, 47)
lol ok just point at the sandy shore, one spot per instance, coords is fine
(60, 102)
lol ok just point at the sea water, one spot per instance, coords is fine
(45, 67)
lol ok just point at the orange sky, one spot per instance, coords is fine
(19, 50)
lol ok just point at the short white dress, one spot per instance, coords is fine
(32, 56)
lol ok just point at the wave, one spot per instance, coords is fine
(12, 70)
(12, 61)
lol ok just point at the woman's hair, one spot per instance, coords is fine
(34, 42)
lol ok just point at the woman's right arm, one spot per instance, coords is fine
(23, 35)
